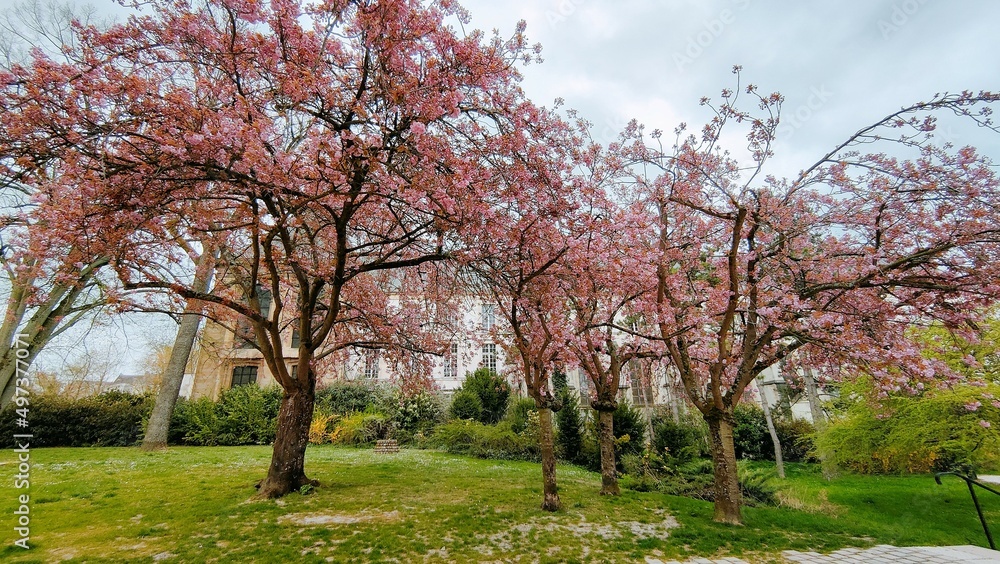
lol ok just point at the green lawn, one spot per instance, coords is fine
(191, 504)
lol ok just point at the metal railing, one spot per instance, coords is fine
(972, 491)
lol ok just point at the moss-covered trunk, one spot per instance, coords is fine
(727, 485)
(606, 437)
(550, 501)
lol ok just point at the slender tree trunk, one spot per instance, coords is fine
(170, 387)
(550, 501)
(287, 471)
(819, 421)
(778, 458)
(812, 394)
(727, 485)
(606, 435)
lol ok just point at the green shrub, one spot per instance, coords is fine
(248, 415)
(750, 435)
(682, 441)
(465, 404)
(796, 438)
(109, 419)
(631, 423)
(570, 437)
(517, 413)
(343, 397)
(361, 429)
(415, 413)
(194, 422)
(485, 441)
(244, 415)
(931, 432)
(493, 392)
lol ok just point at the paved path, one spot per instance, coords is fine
(882, 554)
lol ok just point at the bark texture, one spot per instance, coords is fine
(158, 428)
(606, 433)
(727, 485)
(550, 500)
(287, 471)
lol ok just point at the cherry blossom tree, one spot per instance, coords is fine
(607, 277)
(836, 263)
(516, 251)
(326, 151)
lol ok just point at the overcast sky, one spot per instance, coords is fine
(840, 65)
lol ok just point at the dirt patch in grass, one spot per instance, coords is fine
(323, 518)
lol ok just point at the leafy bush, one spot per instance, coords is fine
(247, 415)
(466, 405)
(485, 441)
(321, 428)
(110, 419)
(416, 413)
(937, 431)
(517, 413)
(796, 438)
(682, 441)
(244, 415)
(630, 430)
(493, 392)
(343, 397)
(695, 479)
(750, 435)
(360, 429)
(194, 422)
(570, 437)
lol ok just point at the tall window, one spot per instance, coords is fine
(490, 356)
(296, 339)
(488, 317)
(244, 375)
(584, 387)
(371, 365)
(451, 362)
(245, 337)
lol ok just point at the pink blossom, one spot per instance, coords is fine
(972, 406)
(984, 424)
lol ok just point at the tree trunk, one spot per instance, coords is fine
(550, 501)
(606, 434)
(170, 388)
(819, 421)
(287, 471)
(727, 486)
(778, 459)
(812, 394)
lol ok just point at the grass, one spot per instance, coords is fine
(192, 504)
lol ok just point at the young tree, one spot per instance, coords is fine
(837, 262)
(325, 151)
(517, 245)
(608, 277)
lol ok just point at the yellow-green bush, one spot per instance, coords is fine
(935, 431)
